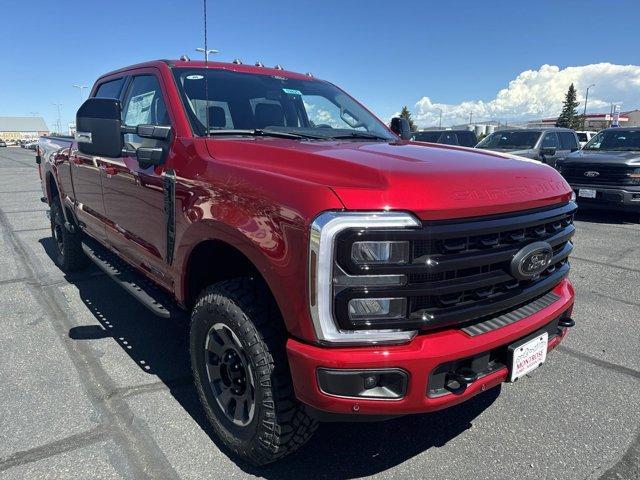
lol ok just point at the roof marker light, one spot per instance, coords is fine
(237, 61)
(259, 64)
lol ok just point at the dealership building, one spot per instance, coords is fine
(596, 121)
(22, 128)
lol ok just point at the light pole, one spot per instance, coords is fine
(80, 87)
(440, 122)
(207, 52)
(586, 99)
(58, 105)
(470, 118)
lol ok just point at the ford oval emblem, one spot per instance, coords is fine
(531, 260)
(591, 173)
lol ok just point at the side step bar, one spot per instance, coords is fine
(145, 291)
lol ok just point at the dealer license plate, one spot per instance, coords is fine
(529, 356)
(586, 193)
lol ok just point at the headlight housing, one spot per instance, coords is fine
(340, 254)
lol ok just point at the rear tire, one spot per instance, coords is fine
(241, 373)
(68, 246)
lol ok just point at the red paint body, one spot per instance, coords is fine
(260, 196)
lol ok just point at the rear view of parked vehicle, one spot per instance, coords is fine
(464, 138)
(545, 145)
(606, 172)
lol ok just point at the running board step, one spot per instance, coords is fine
(145, 291)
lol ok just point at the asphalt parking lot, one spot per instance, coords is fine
(94, 386)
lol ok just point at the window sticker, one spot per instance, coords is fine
(139, 109)
(292, 91)
(194, 77)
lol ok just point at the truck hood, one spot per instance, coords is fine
(592, 156)
(434, 182)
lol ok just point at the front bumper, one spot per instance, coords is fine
(418, 359)
(609, 197)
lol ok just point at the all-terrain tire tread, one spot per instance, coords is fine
(286, 424)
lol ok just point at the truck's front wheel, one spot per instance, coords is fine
(241, 373)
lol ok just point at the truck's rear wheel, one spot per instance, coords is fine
(241, 373)
(68, 247)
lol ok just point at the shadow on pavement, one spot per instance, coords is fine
(337, 450)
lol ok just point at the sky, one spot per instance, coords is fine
(497, 60)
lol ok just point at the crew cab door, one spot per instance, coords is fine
(86, 177)
(134, 193)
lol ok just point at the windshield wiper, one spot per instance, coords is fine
(360, 135)
(259, 132)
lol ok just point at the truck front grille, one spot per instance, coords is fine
(598, 174)
(460, 271)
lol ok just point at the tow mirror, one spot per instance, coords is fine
(548, 152)
(99, 128)
(400, 126)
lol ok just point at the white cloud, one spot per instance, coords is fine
(539, 94)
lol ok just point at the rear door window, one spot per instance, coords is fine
(448, 138)
(467, 139)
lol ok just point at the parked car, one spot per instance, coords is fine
(546, 145)
(30, 145)
(331, 267)
(3, 143)
(606, 172)
(584, 136)
(464, 138)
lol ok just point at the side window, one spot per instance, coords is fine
(467, 139)
(448, 138)
(550, 140)
(568, 140)
(110, 89)
(144, 105)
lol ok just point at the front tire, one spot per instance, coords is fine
(241, 372)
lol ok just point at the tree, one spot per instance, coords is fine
(569, 117)
(405, 113)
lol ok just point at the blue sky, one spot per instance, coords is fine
(386, 54)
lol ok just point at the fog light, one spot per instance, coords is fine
(370, 381)
(375, 253)
(362, 309)
(384, 383)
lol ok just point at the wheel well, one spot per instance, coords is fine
(213, 261)
(52, 188)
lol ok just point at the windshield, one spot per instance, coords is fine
(247, 103)
(510, 140)
(426, 136)
(617, 140)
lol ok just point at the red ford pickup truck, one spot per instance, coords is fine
(330, 267)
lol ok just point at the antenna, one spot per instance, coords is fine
(206, 72)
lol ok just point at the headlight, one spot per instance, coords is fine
(392, 253)
(340, 252)
(363, 310)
